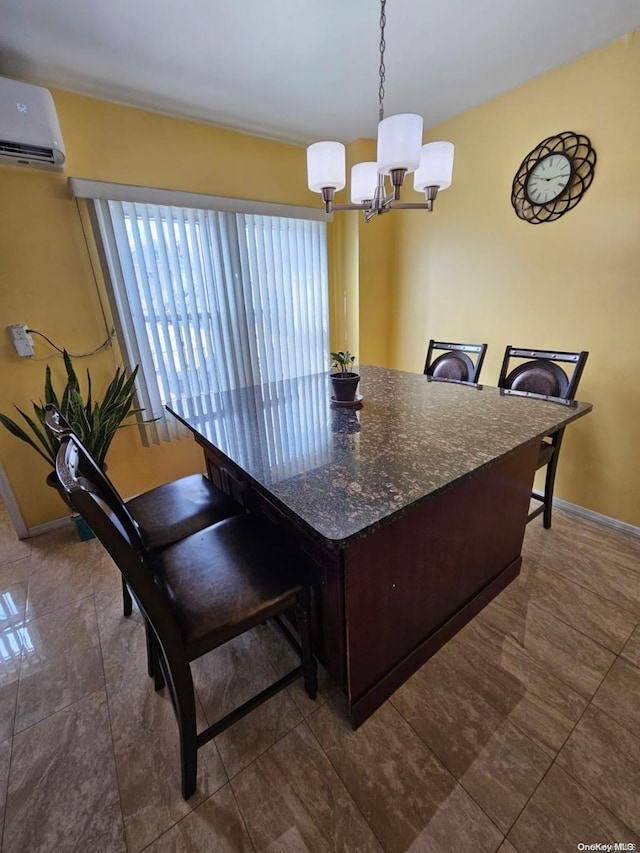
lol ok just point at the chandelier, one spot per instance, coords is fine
(400, 152)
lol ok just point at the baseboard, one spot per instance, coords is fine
(48, 526)
(597, 517)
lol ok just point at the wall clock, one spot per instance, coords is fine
(553, 177)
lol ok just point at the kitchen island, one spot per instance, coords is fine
(410, 510)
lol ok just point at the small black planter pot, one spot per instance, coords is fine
(344, 386)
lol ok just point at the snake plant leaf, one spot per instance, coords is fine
(88, 405)
(50, 395)
(51, 441)
(72, 379)
(16, 430)
(95, 421)
(40, 435)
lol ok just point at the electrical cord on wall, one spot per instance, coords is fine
(60, 351)
(112, 334)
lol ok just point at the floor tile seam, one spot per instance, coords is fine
(59, 711)
(632, 538)
(577, 722)
(622, 563)
(518, 725)
(6, 798)
(551, 752)
(12, 626)
(187, 815)
(111, 694)
(264, 751)
(110, 723)
(206, 718)
(317, 704)
(232, 779)
(537, 565)
(29, 619)
(3, 565)
(542, 778)
(571, 512)
(446, 769)
(548, 751)
(569, 625)
(218, 753)
(554, 761)
(242, 818)
(116, 593)
(265, 657)
(582, 786)
(621, 652)
(16, 731)
(546, 563)
(540, 663)
(635, 735)
(628, 662)
(617, 604)
(16, 630)
(344, 783)
(506, 832)
(15, 706)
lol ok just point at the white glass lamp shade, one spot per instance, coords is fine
(326, 166)
(399, 142)
(436, 166)
(364, 179)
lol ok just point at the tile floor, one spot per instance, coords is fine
(522, 734)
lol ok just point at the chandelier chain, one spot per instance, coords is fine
(383, 21)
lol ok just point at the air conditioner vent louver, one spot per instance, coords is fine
(29, 128)
(26, 152)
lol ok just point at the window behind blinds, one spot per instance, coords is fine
(209, 300)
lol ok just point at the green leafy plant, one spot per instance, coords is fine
(95, 422)
(343, 361)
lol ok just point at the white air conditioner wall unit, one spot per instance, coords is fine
(29, 128)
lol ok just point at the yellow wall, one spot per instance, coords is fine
(46, 278)
(362, 295)
(474, 271)
(470, 271)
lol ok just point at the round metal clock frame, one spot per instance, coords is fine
(578, 150)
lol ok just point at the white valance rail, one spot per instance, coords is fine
(84, 188)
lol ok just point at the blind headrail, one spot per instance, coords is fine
(84, 188)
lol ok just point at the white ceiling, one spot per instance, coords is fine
(300, 70)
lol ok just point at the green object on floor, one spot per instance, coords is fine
(83, 529)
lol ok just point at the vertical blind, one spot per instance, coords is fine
(210, 301)
(283, 425)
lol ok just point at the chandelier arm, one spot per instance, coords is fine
(410, 205)
(364, 206)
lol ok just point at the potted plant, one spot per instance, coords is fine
(345, 382)
(95, 422)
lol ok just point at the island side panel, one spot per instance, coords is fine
(413, 583)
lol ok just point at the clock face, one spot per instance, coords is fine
(548, 179)
(553, 177)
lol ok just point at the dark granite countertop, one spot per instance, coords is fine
(343, 471)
